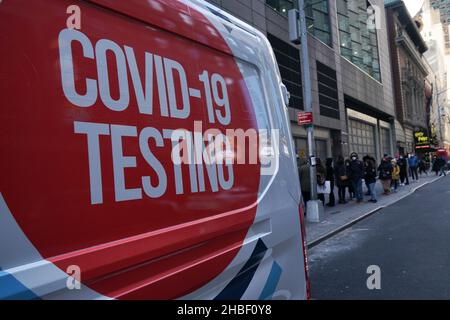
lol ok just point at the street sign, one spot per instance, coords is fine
(304, 118)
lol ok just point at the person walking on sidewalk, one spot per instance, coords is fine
(330, 177)
(403, 165)
(340, 172)
(395, 174)
(413, 166)
(385, 174)
(435, 165)
(356, 174)
(441, 166)
(370, 177)
(422, 167)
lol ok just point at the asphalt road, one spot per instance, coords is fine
(409, 241)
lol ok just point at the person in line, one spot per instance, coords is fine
(395, 174)
(340, 172)
(351, 191)
(330, 177)
(422, 167)
(370, 177)
(385, 174)
(365, 161)
(435, 165)
(413, 166)
(403, 165)
(356, 174)
(321, 173)
(305, 180)
(442, 165)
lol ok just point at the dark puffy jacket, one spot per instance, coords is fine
(370, 174)
(356, 170)
(385, 170)
(402, 163)
(340, 169)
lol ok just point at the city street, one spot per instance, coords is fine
(407, 240)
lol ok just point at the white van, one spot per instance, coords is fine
(112, 112)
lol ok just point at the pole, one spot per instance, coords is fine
(304, 57)
(439, 122)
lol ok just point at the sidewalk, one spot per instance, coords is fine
(342, 216)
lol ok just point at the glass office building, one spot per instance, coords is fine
(358, 35)
(317, 18)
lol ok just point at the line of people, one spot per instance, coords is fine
(348, 175)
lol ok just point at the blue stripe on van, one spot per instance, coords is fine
(12, 289)
(237, 286)
(272, 282)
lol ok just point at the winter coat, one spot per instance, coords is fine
(305, 177)
(413, 162)
(321, 173)
(402, 163)
(330, 173)
(385, 170)
(340, 169)
(370, 173)
(395, 172)
(356, 170)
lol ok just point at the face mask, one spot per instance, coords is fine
(353, 158)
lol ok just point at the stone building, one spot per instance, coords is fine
(409, 72)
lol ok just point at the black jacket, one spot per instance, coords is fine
(385, 170)
(370, 174)
(402, 164)
(356, 170)
(330, 173)
(340, 169)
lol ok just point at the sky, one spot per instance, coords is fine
(413, 6)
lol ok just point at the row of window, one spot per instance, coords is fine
(357, 35)
(357, 29)
(316, 11)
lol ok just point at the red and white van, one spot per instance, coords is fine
(99, 101)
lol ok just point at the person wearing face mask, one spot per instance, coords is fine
(356, 174)
(385, 174)
(403, 165)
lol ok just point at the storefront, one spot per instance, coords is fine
(322, 139)
(368, 135)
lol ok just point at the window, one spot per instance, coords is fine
(319, 20)
(328, 93)
(361, 137)
(282, 6)
(358, 43)
(288, 58)
(301, 147)
(386, 140)
(316, 11)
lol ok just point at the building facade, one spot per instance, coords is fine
(353, 101)
(409, 72)
(443, 7)
(431, 18)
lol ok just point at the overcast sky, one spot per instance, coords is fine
(413, 6)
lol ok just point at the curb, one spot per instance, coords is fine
(332, 233)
